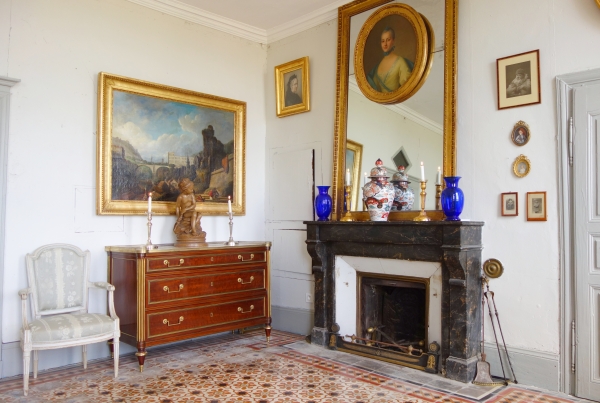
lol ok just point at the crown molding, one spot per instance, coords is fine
(403, 110)
(185, 12)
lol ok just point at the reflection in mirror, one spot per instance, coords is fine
(401, 134)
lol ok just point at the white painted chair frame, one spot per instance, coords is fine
(27, 344)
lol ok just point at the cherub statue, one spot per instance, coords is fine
(187, 227)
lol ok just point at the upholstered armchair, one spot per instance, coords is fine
(58, 277)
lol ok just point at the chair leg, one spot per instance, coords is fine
(84, 354)
(116, 355)
(26, 359)
(35, 363)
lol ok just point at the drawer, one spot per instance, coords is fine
(177, 288)
(182, 262)
(182, 320)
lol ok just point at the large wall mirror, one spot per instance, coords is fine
(419, 129)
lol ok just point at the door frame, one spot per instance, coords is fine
(564, 90)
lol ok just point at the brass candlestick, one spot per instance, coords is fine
(347, 216)
(149, 241)
(438, 196)
(422, 215)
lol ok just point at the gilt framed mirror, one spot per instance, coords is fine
(423, 126)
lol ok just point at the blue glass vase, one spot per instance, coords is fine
(323, 203)
(452, 199)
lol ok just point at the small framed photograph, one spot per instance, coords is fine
(520, 133)
(536, 206)
(521, 166)
(518, 80)
(292, 87)
(510, 204)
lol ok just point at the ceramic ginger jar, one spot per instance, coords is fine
(378, 194)
(404, 197)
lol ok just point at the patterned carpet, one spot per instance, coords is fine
(242, 368)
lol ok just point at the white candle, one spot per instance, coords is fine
(150, 202)
(229, 204)
(348, 177)
(422, 172)
(438, 179)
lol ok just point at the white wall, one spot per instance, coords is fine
(57, 48)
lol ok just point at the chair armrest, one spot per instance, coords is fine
(102, 285)
(24, 293)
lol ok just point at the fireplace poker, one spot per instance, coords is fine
(501, 334)
(495, 335)
(371, 330)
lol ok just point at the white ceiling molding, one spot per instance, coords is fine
(403, 110)
(307, 21)
(208, 19)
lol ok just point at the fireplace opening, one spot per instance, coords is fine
(393, 312)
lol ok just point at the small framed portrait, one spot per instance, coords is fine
(393, 54)
(519, 80)
(520, 133)
(292, 87)
(510, 204)
(536, 206)
(521, 166)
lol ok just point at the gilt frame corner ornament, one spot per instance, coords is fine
(151, 136)
(413, 61)
(289, 78)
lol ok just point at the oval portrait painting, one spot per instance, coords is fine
(392, 54)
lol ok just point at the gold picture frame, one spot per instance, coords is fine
(409, 59)
(150, 136)
(354, 161)
(521, 166)
(520, 133)
(518, 79)
(289, 78)
(536, 206)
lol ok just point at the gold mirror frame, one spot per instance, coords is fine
(341, 111)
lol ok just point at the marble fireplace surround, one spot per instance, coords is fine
(454, 244)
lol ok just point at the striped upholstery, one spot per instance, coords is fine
(68, 326)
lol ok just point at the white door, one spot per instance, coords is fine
(586, 228)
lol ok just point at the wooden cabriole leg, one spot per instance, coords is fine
(141, 354)
(268, 329)
(111, 347)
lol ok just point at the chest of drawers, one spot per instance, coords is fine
(171, 293)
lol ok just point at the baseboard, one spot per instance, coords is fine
(534, 368)
(293, 320)
(12, 356)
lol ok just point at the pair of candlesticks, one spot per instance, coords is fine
(422, 215)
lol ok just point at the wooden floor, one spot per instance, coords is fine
(243, 368)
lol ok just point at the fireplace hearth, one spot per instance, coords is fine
(401, 324)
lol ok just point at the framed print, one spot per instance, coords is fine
(521, 166)
(510, 204)
(520, 133)
(353, 163)
(518, 80)
(151, 136)
(536, 206)
(393, 54)
(292, 87)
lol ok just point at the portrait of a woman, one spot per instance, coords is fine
(392, 70)
(291, 91)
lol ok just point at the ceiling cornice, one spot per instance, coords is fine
(403, 110)
(186, 12)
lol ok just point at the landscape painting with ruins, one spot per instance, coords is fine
(151, 136)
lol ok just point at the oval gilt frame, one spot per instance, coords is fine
(521, 159)
(422, 55)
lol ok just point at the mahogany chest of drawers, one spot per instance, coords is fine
(171, 293)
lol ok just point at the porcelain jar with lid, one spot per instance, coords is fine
(404, 197)
(378, 194)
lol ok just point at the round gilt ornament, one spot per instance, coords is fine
(493, 268)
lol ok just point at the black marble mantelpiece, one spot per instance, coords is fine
(456, 244)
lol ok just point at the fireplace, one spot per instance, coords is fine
(439, 262)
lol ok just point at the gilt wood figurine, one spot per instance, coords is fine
(187, 228)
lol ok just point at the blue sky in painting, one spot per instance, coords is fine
(155, 126)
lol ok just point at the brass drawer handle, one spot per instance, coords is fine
(166, 322)
(248, 282)
(165, 288)
(240, 257)
(242, 311)
(168, 264)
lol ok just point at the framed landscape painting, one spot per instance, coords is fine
(151, 136)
